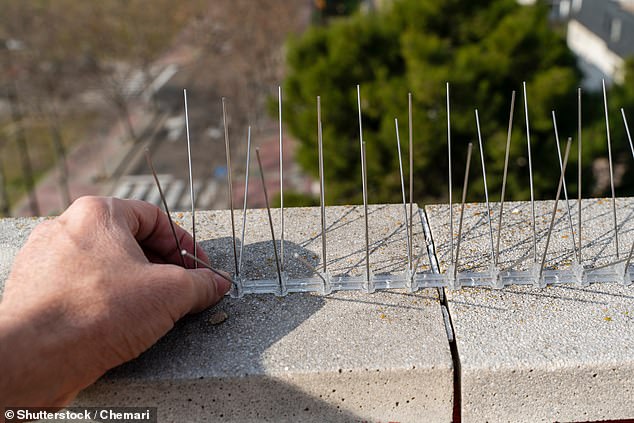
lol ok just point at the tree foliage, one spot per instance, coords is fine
(484, 48)
(619, 96)
(332, 8)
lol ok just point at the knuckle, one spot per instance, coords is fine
(91, 204)
(87, 212)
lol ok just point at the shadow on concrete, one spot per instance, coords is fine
(516, 252)
(417, 296)
(202, 371)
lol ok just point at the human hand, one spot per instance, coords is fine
(90, 290)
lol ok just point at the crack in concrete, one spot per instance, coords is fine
(451, 339)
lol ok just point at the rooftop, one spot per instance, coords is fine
(610, 20)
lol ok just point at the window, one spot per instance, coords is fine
(615, 30)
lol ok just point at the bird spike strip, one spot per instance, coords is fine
(410, 278)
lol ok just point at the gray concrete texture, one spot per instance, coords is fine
(562, 353)
(13, 235)
(348, 356)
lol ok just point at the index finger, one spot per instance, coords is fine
(152, 229)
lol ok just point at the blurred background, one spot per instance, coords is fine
(86, 87)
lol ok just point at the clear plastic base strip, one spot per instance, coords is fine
(493, 278)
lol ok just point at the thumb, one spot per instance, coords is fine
(188, 290)
(207, 288)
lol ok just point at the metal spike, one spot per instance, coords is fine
(627, 130)
(450, 181)
(167, 210)
(411, 190)
(322, 191)
(486, 189)
(506, 168)
(400, 167)
(365, 189)
(464, 198)
(191, 178)
(569, 211)
(410, 124)
(184, 253)
(268, 210)
(309, 266)
(281, 180)
(530, 174)
(603, 266)
(607, 129)
(629, 259)
(230, 185)
(417, 262)
(629, 138)
(579, 150)
(552, 218)
(246, 195)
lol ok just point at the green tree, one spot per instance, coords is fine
(484, 48)
(619, 96)
(331, 8)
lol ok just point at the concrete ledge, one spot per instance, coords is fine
(13, 235)
(303, 358)
(348, 356)
(564, 353)
(559, 354)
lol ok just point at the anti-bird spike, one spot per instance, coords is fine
(185, 253)
(400, 167)
(579, 151)
(569, 211)
(191, 178)
(629, 259)
(486, 189)
(552, 217)
(506, 168)
(629, 138)
(611, 164)
(167, 210)
(465, 185)
(627, 130)
(268, 210)
(309, 266)
(281, 179)
(410, 124)
(322, 190)
(365, 189)
(450, 174)
(246, 196)
(610, 264)
(530, 174)
(230, 185)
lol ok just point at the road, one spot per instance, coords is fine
(236, 52)
(226, 73)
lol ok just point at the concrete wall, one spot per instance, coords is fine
(518, 354)
(345, 357)
(563, 353)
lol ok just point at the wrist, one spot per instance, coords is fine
(37, 358)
